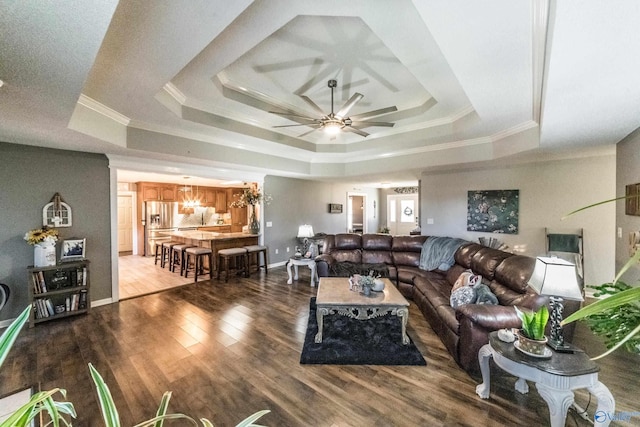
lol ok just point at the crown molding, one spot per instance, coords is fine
(102, 109)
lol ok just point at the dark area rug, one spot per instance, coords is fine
(347, 341)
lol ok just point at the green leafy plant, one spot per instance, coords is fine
(534, 322)
(616, 317)
(44, 401)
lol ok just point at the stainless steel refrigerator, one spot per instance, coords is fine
(160, 217)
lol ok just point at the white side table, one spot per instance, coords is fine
(555, 378)
(308, 262)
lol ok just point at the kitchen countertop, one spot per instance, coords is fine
(207, 235)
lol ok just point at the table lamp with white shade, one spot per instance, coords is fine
(305, 232)
(557, 279)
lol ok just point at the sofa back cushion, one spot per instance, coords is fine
(377, 242)
(485, 261)
(406, 250)
(465, 253)
(376, 248)
(346, 241)
(514, 272)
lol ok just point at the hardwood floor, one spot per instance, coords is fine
(138, 275)
(227, 350)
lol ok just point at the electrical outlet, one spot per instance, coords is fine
(269, 224)
(276, 252)
(429, 221)
(288, 249)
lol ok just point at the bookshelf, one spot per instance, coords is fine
(58, 291)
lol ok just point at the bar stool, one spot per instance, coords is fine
(198, 255)
(239, 255)
(158, 253)
(177, 257)
(166, 253)
(257, 250)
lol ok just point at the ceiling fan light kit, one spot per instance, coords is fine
(334, 123)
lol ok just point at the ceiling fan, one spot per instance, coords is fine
(333, 123)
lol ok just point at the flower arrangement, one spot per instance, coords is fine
(250, 196)
(40, 235)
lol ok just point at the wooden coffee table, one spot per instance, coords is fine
(334, 297)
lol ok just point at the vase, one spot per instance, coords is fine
(44, 254)
(254, 225)
(531, 346)
(378, 285)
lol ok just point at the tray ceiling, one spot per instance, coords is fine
(472, 82)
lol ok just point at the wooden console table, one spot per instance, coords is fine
(555, 378)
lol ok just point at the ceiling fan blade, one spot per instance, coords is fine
(300, 124)
(313, 105)
(367, 124)
(293, 115)
(374, 113)
(354, 130)
(308, 132)
(350, 103)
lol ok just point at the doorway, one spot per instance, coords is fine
(356, 213)
(402, 213)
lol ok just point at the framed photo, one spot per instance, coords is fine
(335, 208)
(73, 250)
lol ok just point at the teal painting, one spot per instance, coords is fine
(493, 211)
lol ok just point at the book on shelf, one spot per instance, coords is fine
(82, 304)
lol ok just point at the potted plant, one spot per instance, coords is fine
(616, 317)
(531, 338)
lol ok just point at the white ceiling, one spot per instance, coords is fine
(192, 82)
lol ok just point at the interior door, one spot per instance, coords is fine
(125, 223)
(356, 213)
(402, 213)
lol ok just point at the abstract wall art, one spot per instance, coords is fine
(493, 211)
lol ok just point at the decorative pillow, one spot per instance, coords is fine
(484, 295)
(463, 295)
(467, 278)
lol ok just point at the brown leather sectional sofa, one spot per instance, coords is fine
(465, 329)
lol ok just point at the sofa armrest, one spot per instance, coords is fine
(323, 264)
(476, 321)
(489, 317)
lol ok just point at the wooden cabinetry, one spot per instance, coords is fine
(58, 291)
(221, 201)
(156, 191)
(208, 196)
(238, 215)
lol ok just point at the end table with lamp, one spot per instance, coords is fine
(557, 279)
(559, 372)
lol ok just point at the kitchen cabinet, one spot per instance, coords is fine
(221, 201)
(209, 196)
(238, 215)
(156, 191)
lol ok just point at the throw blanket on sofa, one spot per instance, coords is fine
(437, 253)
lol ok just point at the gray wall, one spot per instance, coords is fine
(299, 201)
(29, 177)
(548, 191)
(628, 172)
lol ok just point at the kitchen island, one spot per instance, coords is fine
(215, 241)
